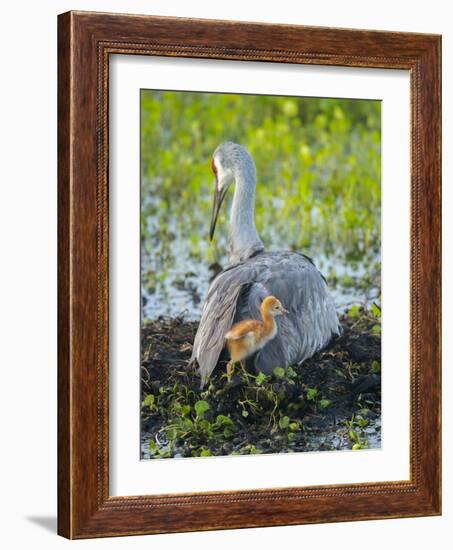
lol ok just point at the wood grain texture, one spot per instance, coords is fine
(64, 389)
(85, 41)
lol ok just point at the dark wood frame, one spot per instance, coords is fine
(85, 42)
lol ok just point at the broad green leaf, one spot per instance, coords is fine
(375, 310)
(223, 420)
(353, 311)
(284, 422)
(376, 366)
(279, 372)
(312, 393)
(149, 401)
(291, 373)
(201, 407)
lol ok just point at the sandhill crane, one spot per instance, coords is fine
(238, 291)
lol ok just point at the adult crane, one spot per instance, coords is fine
(237, 292)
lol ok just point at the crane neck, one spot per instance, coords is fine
(244, 238)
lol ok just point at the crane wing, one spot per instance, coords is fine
(236, 294)
(312, 318)
(218, 314)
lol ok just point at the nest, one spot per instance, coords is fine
(330, 402)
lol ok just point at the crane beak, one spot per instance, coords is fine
(218, 199)
(285, 311)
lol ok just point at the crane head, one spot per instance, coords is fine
(222, 181)
(229, 158)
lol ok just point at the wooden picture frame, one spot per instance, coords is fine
(85, 42)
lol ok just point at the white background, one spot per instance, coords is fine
(28, 275)
(129, 476)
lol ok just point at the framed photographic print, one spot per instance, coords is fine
(249, 275)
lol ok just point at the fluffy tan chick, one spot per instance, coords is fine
(248, 336)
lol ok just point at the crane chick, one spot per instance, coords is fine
(248, 336)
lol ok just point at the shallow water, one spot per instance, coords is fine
(333, 437)
(178, 261)
(186, 282)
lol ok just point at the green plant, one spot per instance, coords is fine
(355, 432)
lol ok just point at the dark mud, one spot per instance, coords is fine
(330, 402)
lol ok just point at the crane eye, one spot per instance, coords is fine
(214, 168)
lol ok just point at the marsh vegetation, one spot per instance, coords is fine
(318, 192)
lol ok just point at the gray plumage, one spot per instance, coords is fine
(237, 292)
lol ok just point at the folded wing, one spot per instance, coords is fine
(236, 294)
(218, 314)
